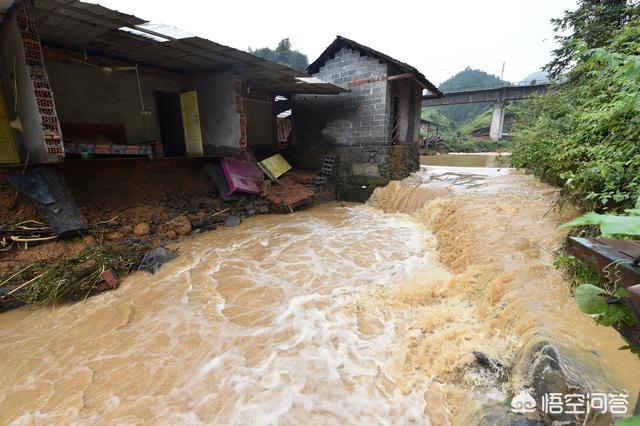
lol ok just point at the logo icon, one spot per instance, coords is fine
(523, 403)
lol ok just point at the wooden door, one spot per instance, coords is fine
(191, 122)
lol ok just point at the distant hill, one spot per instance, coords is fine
(537, 76)
(468, 78)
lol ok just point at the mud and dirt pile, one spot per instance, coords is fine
(127, 202)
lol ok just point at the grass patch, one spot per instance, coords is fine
(74, 278)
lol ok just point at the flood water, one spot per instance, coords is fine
(340, 314)
(460, 159)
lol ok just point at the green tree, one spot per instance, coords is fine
(584, 135)
(468, 78)
(283, 54)
(593, 22)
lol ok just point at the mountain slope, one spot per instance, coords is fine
(469, 78)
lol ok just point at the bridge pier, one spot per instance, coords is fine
(497, 120)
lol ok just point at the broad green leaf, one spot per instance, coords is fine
(629, 421)
(609, 224)
(590, 299)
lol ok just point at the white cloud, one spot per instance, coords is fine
(439, 38)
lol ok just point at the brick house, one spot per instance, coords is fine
(373, 129)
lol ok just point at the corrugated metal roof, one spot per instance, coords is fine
(97, 29)
(341, 42)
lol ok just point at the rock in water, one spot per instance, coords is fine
(152, 261)
(231, 221)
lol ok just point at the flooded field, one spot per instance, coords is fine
(341, 314)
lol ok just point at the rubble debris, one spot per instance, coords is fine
(289, 194)
(106, 281)
(265, 186)
(301, 177)
(141, 229)
(155, 194)
(63, 216)
(216, 175)
(180, 225)
(231, 221)
(154, 259)
(219, 213)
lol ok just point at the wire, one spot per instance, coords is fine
(140, 89)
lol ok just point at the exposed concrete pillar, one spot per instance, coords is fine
(497, 120)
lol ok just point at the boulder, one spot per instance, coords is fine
(141, 229)
(180, 225)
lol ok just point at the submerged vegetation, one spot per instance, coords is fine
(74, 278)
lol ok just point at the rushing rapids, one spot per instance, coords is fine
(342, 313)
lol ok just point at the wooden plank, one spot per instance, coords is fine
(613, 258)
(399, 76)
(407, 75)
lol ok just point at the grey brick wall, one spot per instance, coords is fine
(356, 126)
(357, 118)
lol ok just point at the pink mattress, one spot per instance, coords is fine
(242, 176)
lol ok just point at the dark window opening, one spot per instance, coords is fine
(395, 127)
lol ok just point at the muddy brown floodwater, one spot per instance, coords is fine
(343, 313)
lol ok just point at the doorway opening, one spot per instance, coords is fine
(170, 120)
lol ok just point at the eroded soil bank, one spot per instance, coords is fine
(339, 314)
(125, 202)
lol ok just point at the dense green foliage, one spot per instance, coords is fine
(469, 78)
(283, 55)
(585, 134)
(592, 23)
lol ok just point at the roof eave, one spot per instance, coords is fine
(339, 41)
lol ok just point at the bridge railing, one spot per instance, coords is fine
(535, 82)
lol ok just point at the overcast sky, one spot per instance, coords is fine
(439, 38)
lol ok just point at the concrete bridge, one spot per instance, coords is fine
(499, 95)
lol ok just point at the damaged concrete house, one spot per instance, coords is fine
(373, 128)
(81, 83)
